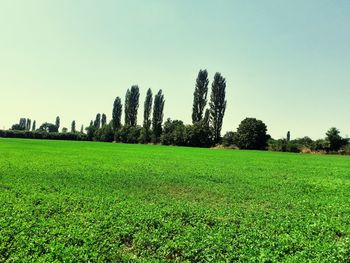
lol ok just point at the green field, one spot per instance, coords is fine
(81, 201)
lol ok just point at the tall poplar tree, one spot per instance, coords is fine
(200, 96)
(34, 125)
(131, 105)
(103, 120)
(147, 110)
(217, 105)
(117, 113)
(73, 127)
(97, 122)
(58, 122)
(157, 120)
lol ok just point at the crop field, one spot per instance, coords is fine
(86, 201)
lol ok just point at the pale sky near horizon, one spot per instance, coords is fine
(285, 62)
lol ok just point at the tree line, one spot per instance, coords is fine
(205, 131)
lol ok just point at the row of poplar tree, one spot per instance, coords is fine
(206, 121)
(207, 118)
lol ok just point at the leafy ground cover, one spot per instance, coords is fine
(86, 201)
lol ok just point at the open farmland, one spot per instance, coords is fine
(81, 201)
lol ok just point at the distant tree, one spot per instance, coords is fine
(90, 132)
(173, 133)
(82, 129)
(34, 125)
(147, 110)
(229, 138)
(217, 105)
(73, 127)
(131, 105)
(16, 127)
(251, 134)
(28, 124)
(117, 113)
(157, 120)
(64, 130)
(335, 140)
(97, 122)
(198, 135)
(128, 134)
(288, 136)
(58, 121)
(200, 96)
(206, 119)
(145, 136)
(91, 123)
(103, 120)
(48, 127)
(22, 124)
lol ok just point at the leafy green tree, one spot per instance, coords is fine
(105, 134)
(198, 135)
(58, 121)
(103, 120)
(147, 110)
(48, 127)
(288, 136)
(34, 125)
(117, 113)
(251, 134)
(82, 129)
(131, 105)
(22, 124)
(173, 133)
(91, 123)
(73, 127)
(157, 120)
(217, 105)
(200, 96)
(145, 136)
(97, 122)
(64, 130)
(335, 140)
(229, 138)
(29, 122)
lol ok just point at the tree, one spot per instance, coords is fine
(28, 124)
(22, 123)
(229, 138)
(200, 96)
(73, 127)
(48, 127)
(173, 133)
(147, 110)
(157, 120)
(64, 130)
(145, 136)
(251, 134)
(198, 135)
(82, 129)
(97, 122)
(117, 113)
(217, 105)
(58, 121)
(34, 125)
(288, 136)
(131, 105)
(335, 140)
(103, 120)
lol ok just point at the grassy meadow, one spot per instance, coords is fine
(86, 201)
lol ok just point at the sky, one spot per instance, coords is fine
(285, 62)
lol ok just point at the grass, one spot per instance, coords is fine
(85, 201)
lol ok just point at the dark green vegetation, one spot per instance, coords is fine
(81, 201)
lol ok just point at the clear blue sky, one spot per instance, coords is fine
(285, 62)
